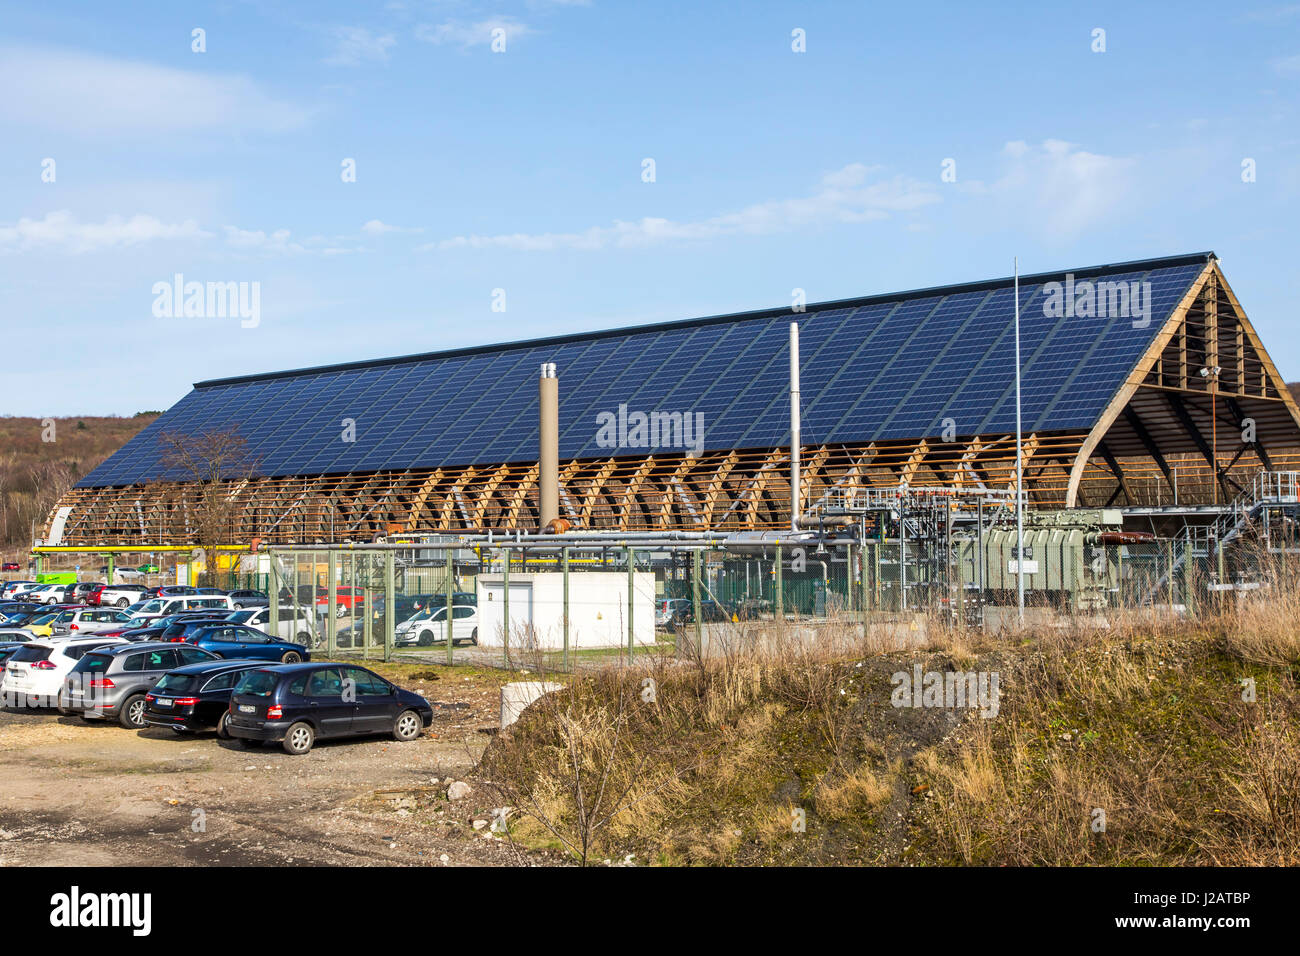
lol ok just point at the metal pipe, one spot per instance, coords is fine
(795, 497)
(1020, 469)
(548, 454)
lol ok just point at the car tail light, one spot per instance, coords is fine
(185, 701)
(74, 627)
(99, 682)
(43, 665)
(275, 712)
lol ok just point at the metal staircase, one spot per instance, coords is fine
(1268, 489)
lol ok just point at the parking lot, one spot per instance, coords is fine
(80, 793)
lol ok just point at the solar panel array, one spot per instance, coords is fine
(873, 369)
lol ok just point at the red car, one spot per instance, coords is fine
(346, 598)
(10, 566)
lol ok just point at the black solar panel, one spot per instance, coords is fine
(872, 369)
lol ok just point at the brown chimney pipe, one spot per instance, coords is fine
(548, 456)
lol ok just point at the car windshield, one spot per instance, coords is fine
(240, 617)
(257, 684)
(30, 654)
(176, 684)
(151, 607)
(45, 618)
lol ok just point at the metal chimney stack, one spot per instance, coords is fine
(548, 454)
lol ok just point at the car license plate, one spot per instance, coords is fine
(247, 709)
(163, 701)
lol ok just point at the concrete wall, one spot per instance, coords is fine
(597, 609)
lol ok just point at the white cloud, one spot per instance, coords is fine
(460, 33)
(356, 45)
(1287, 65)
(377, 228)
(1057, 188)
(844, 196)
(258, 240)
(86, 94)
(62, 232)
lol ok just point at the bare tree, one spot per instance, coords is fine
(210, 460)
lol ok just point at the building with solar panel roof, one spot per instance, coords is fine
(1145, 388)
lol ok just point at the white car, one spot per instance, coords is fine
(426, 626)
(10, 590)
(295, 626)
(119, 595)
(46, 593)
(34, 674)
(88, 620)
(161, 607)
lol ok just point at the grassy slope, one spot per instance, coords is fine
(1146, 723)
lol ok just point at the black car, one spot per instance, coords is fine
(195, 697)
(294, 704)
(242, 599)
(9, 608)
(711, 612)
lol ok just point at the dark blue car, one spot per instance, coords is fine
(294, 704)
(238, 641)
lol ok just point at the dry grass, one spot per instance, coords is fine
(1142, 721)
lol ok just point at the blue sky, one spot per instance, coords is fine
(521, 170)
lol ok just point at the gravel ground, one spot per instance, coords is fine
(83, 793)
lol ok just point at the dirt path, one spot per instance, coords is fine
(83, 794)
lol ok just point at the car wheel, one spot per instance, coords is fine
(425, 639)
(238, 606)
(299, 739)
(123, 602)
(223, 725)
(303, 637)
(290, 657)
(131, 715)
(473, 638)
(341, 610)
(407, 726)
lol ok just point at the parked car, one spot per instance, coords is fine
(346, 598)
(428, 626)
(10, 566)
(35, 672)
(294, 625)
(47, 593)
(186, 624)
(80, 592)
(119, 595)
(711, 612)
(162, 606)
(42, 625)
(195, 697)
(294, 704)
(147, 569)
(7, 649)
(11, 609)
(220, 591)
(243, 599)
(171, 590)
(13, 589)
(88, 620)
(111, 682)
(665, 608)
(16, 635)
(247, 643)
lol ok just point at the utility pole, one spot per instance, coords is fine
(1020, 468)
